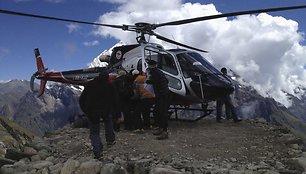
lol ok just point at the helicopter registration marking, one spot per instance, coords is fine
(80, 77)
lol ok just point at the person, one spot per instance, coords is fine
(143, 106)
(226, 100)
(162, 98)
(98, 100)
(124, 86)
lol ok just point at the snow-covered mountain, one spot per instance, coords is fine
(250, 104)
(39, 115)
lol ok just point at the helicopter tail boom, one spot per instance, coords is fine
(39, 62)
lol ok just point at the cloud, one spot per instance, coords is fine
(265, 50)
(92, 43)
(73, 27)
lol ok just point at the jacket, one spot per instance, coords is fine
(139, 88)
(98, 95)
(159, 82)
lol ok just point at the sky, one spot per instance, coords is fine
(267, 50)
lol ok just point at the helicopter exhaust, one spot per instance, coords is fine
(41, 70)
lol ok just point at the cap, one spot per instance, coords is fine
(151, 62)
(135, 72)
(121, 73)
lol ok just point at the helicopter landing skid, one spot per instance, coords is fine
(191, 117)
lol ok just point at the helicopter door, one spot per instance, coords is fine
(167, 64)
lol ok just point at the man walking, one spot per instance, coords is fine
(97, 100)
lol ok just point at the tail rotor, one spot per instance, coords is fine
(39, 74)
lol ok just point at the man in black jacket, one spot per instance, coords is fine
(162, 98)
(229, 106)
(97, 100)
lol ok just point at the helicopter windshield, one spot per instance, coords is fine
(192, 63)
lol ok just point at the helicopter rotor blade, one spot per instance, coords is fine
(176, 43)
(123, 27)
(204, 18)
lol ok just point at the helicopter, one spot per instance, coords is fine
(192, 79)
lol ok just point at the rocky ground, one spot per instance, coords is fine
(193, 148)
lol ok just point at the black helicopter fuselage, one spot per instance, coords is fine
(202, 81)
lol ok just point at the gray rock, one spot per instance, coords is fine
(42, 164)
(92, 166)
(111, 168)
(142, 166)
(160, 170)
(14, 169)
(108, 168)
(14, 154)
(4, 161)
(56, 169)
(70, 166)
(44, 153)
(302, 162)
(35, 158)
(29, 150)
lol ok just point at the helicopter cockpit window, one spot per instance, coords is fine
(206, 64)
(193, 63)
(166, 63)
(151, 55)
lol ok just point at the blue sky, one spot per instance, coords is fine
(62, 49)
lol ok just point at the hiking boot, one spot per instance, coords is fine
(237, 121)
(163, 135)
(110, 143)
(229, 117)
(98, 156)
(147, 128)
(138, 131)
(157, 131)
